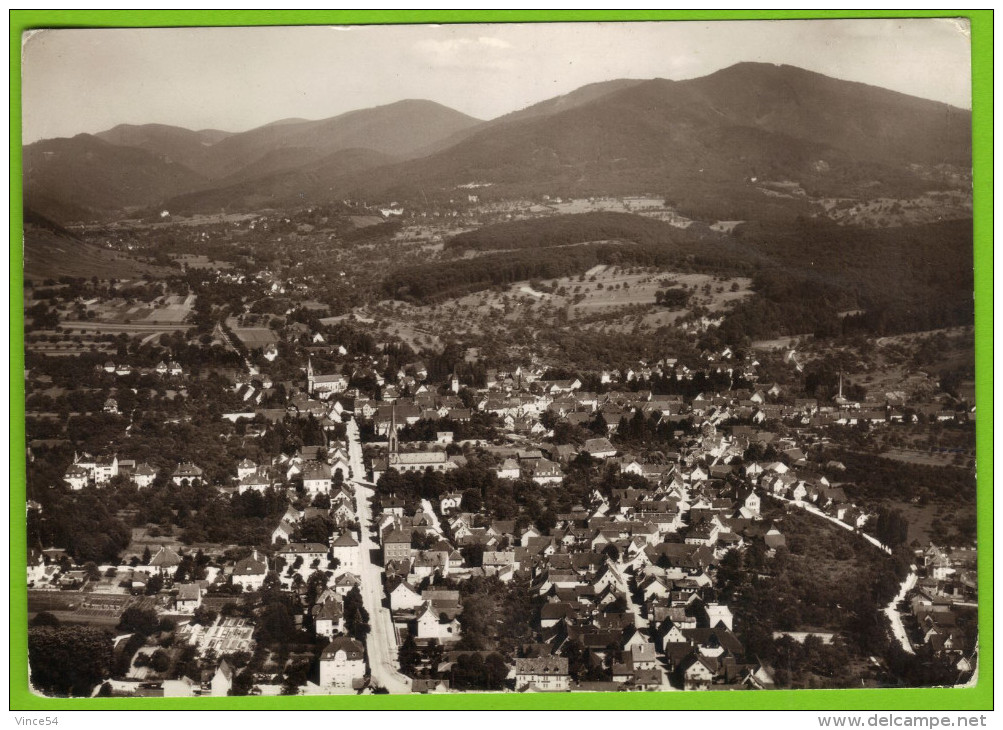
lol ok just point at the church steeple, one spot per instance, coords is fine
(309, 375)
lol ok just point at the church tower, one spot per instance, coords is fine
(309, 376)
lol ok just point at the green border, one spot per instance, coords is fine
(979, 697)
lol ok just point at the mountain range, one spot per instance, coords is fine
(694, 141)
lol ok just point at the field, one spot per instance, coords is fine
(937, 457)
(82, 607)
(883, 212)
(922, 517)
(117, 316)
(605, 297)
(253, 337)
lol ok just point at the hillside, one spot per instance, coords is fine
(565, 245)
(311, 182)
(89, 174)
(93, 176)
(697, 139)
(176, 144)
(395, 129)
(707, 144)
(576, 98)
(903, 278)
(50, 252)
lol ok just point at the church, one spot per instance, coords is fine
(414, 461)
(324, 385)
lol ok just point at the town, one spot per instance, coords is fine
(265, 503)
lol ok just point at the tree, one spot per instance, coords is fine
(408, 655)
(139, 621)
(356, 616)
(154, 585)
(44, 618)
(68, 661)
(892, 527)
(204, 615)
(160, 661)
(472, 500)
(242, 684)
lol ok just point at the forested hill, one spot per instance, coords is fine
(549, 248)
(804, 274)
(906, 278)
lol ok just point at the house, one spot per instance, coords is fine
(246, 467)
(284, 530)
(405, 598)
(345, 549)
(250, 572)
(396, 546)
(544, 674)
(431, 625)
(185, 474)
(316, 478)
(544, 472)
(509, 469)
(222, 680)
(143, 475)
(345, 582)
(104, 469)
(774, 539)
(189, 598)
(342, 665)
(329, 618)
(166, 561)
(718, 614)
(304, 557)
(698, 671)
(77, 476)
(599, 448)
(256, 482)
(748, 502)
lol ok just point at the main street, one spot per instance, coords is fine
(382, 641)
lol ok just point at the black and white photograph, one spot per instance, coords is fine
(499, 358)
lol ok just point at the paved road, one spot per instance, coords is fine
(895, 617)
(382, 641)
(427, 507)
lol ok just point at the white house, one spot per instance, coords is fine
(143, 475)
(222, 680)
(316, 478)
(546, 674)
(405, 598)
(250, 572)
(342, 665)
(345, 549)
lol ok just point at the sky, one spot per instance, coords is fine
(239, 78)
